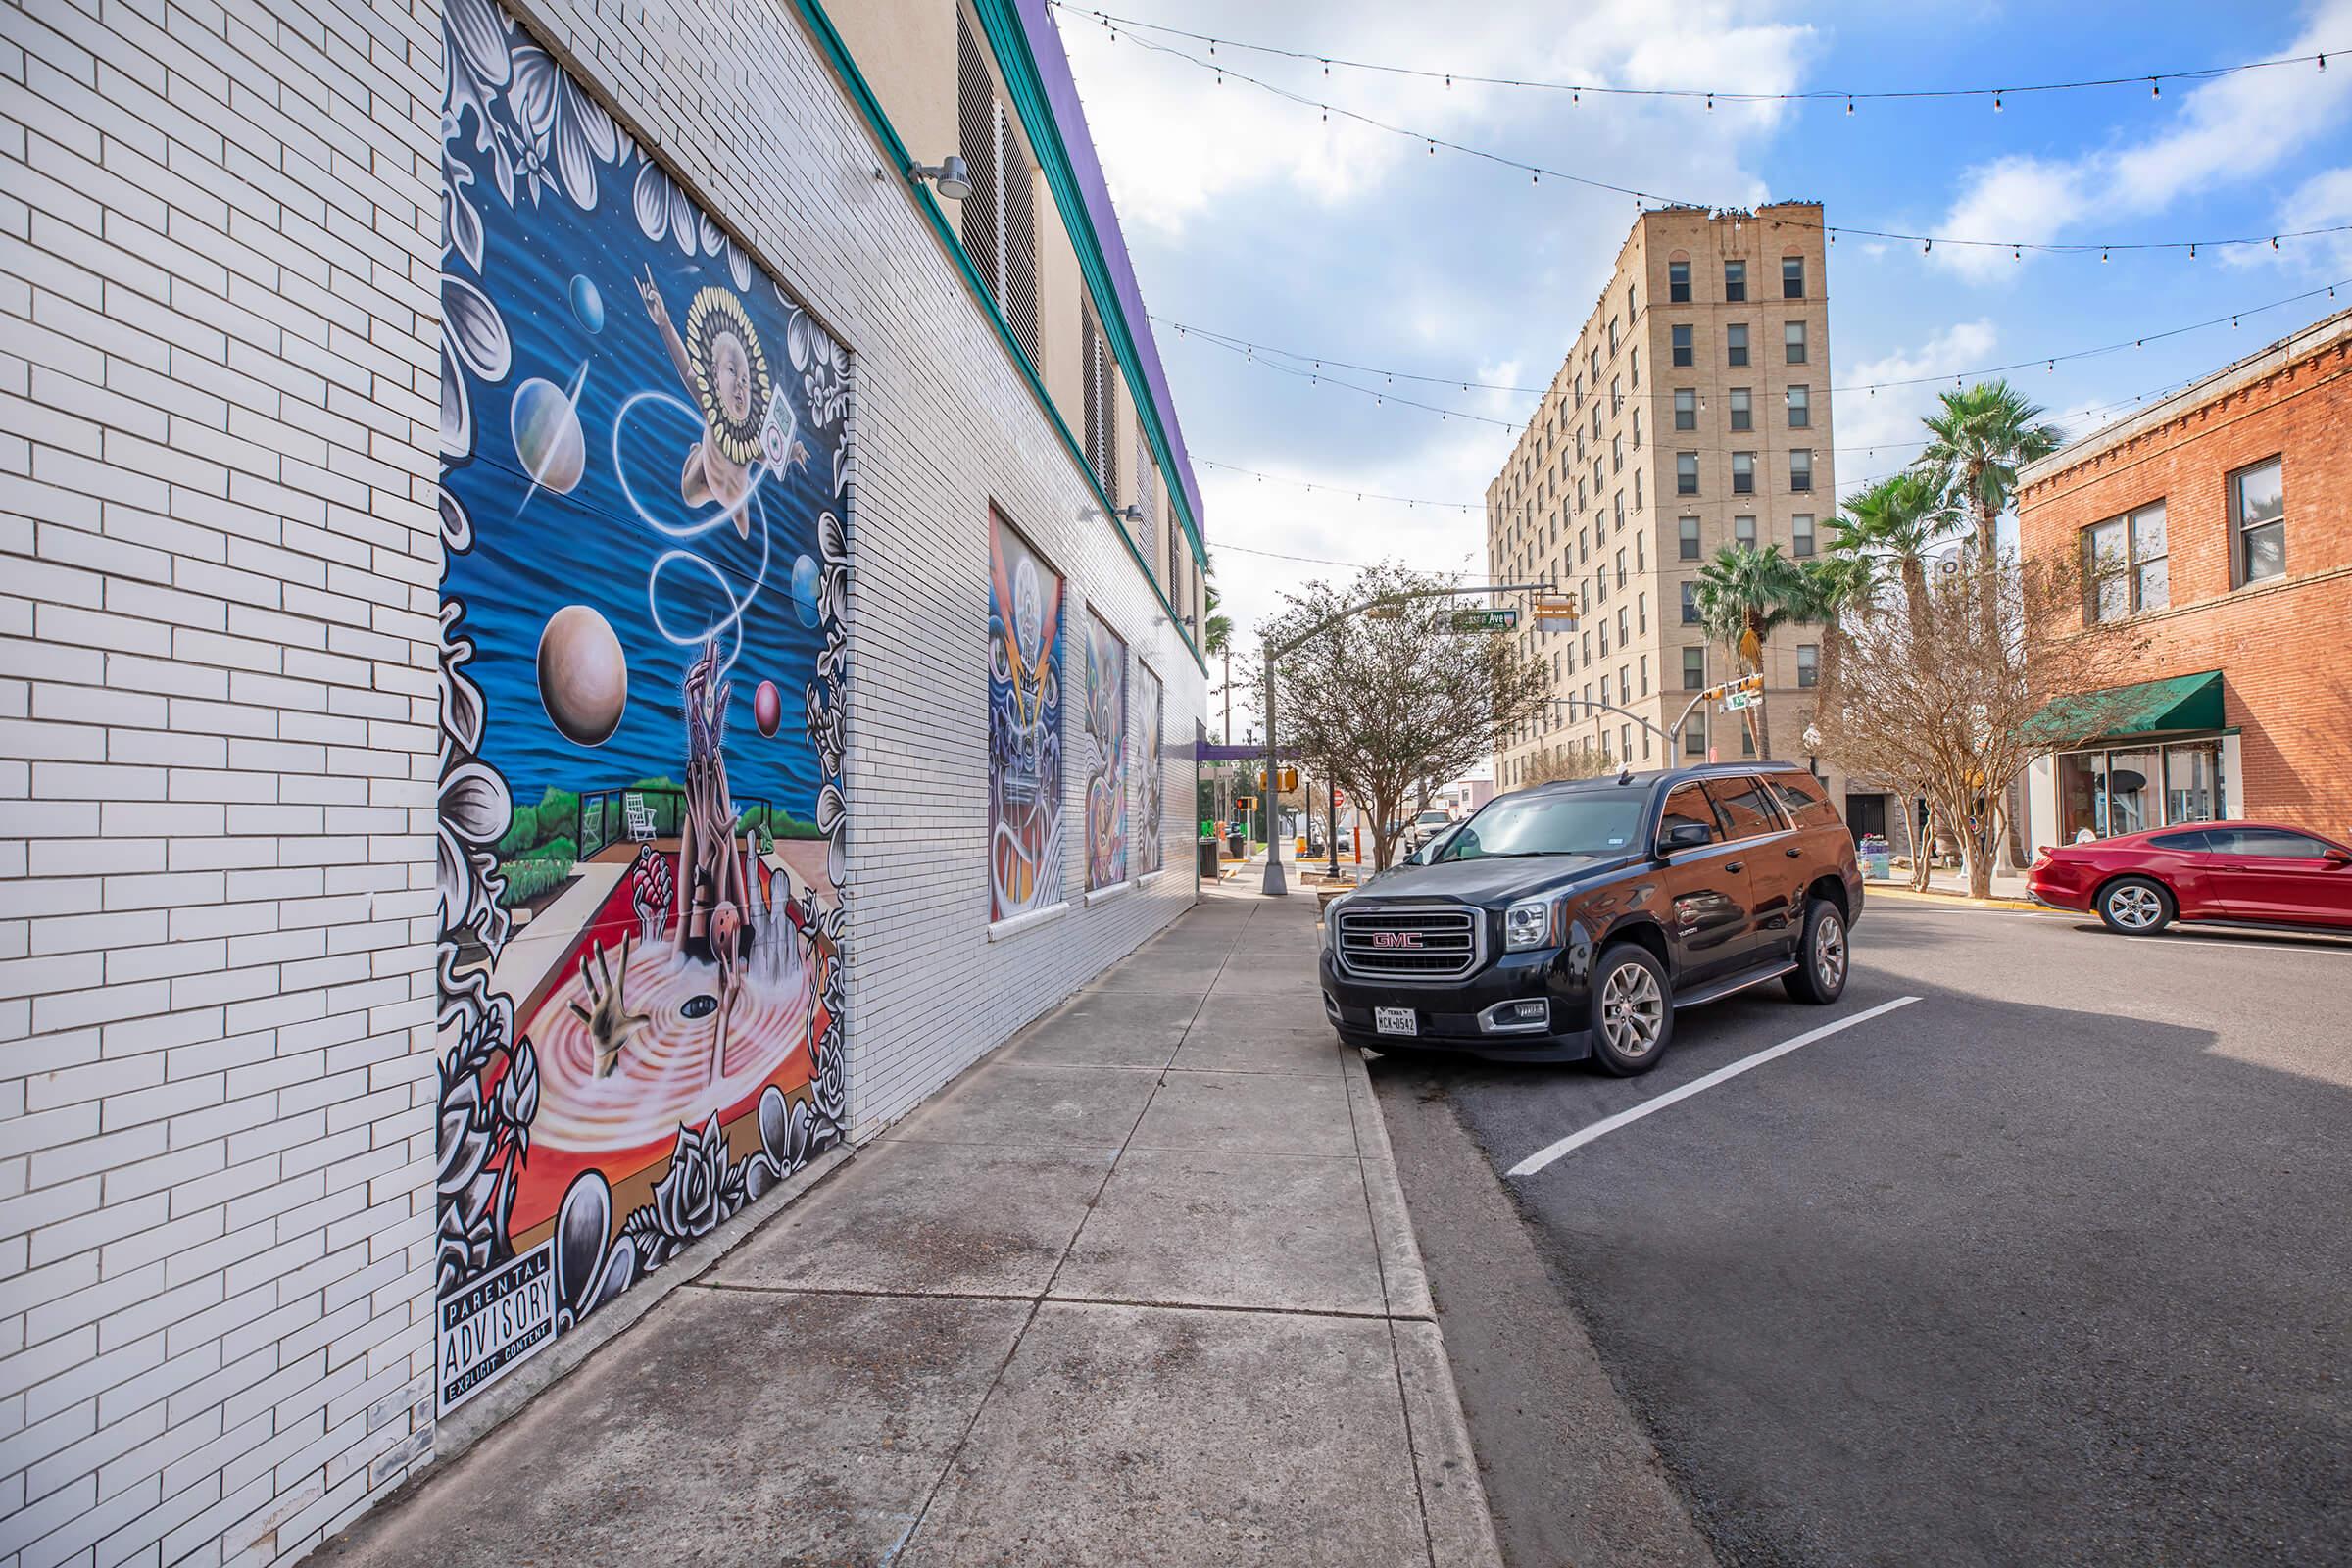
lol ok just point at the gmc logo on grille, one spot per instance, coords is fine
(1397, 939)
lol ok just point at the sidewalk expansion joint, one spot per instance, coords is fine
(1050, 1300)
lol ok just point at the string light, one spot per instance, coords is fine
(1644, 198)
(1996, 100)
(1320, 364)
(1576, 90)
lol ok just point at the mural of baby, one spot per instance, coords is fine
(720, 360)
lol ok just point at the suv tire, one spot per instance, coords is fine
(2135, 906)
(1630, 1013)
(1823, 959)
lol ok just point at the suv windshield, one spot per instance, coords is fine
(1587, 822)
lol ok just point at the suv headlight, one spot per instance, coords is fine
(1527, 924)
(1331, 920)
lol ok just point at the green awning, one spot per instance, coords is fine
(2179, 703)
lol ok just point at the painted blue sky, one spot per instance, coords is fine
(1254, 216)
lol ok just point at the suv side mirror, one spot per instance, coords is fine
(1684, 836)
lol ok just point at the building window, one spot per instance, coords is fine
(1800, 468)
(1734, 282)
(1621, 584)
(1695, 735)
(1596, 364)
(998, 217)
(1690, 604)
(1617, 454)
(1793, 278)
(1801, 408)
(2258, 517)
(1645, 674)
(1734, 342)
(1642, 615)
(1687, 539)
(1102, 374)
(1613, 334)
(1744, 412)
(1636, 489)
(1793, 341)
(1625, 677)
(1637, 429)
(1685, 409)
(1641, 555)
(1634, 367)
(2126, 561)
(1801, 527)
(1682, 345)
(1686, 473)
(1747, 740)
(1678, 282)
(1744, 531)
(1619, 505)
(1743, 473)
(1695, 669)
(1808, 664)
(1616, 395)
(1605, 636)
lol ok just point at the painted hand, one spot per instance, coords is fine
(607, 1016)
(650, 292)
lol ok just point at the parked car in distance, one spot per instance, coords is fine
(2238, 873)
(1426, 827)
(1571, 919)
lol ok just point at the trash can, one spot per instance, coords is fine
(1209, 858)
(1234, 846)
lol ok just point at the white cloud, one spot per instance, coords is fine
(2323, 200)
(1877, 432)
(1175, 144)
(2230, 129)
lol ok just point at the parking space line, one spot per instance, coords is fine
(1608, 1124)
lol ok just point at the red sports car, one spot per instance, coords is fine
(2242, 873)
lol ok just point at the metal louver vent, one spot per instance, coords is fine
(977, 130)
(1018, 228)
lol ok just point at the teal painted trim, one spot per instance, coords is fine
(837, 54)
(1009, 41)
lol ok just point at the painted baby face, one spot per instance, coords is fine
(731, 375)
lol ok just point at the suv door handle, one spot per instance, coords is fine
(1735, 865)
(1794, 853)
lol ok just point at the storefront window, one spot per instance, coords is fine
(2192, 784)
(2103, 794)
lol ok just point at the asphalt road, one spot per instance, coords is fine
(2053, 1265)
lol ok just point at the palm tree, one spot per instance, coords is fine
(1830, 592)
(1980, 439)
(1743, 595)
(1217, 641)
(1901, 518)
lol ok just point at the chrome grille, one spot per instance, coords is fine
(1410, 941)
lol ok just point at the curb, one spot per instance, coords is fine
(1962, 900)
(1453, 1500)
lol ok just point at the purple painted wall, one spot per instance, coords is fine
(1061, 95)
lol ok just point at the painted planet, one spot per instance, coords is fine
(583, 676)
(808, 584)
(587, 302)
(547, 435)
(768, 707)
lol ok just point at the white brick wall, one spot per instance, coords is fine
(219, 364)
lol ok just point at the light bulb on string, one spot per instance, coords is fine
(2102, 253)
(1850, 106)
(2274, 243)
(2192, 251)
(2154, 91)
(1996, 103)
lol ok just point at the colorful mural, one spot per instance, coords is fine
(1156, 769)
(641, 503)
(1106, 759)
(1024, 726)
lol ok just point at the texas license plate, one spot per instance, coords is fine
(1396, 1021)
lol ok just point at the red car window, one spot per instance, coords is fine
(2269, 843)
(2195, 841)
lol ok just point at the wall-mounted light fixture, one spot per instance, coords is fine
(1131, 512)
(948, 176)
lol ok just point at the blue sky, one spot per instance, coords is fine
(1254, 216)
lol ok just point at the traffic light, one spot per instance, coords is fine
(1246, 803)
(1290, 778)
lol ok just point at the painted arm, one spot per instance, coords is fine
(650, 292)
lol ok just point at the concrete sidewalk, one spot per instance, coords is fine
(1139, 1289)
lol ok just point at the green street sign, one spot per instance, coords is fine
(1733, 702)
(1504, 620)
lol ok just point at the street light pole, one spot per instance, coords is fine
(1331, 817)
(1274, 886)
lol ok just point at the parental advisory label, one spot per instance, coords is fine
(495, 1324)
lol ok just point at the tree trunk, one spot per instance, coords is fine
(1923, 847)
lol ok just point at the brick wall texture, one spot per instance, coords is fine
(2277, 643)
(220, 236)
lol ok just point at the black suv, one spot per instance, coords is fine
(1570, 920)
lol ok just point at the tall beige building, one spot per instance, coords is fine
(1692, 411)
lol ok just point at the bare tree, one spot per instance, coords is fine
(1389, 701)
(1951, 694)
(1580, 760)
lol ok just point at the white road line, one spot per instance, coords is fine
(2253, 944)
(1610, 1124)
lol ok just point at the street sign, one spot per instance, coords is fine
(1555, 609)
(1486, 621)
(1735, 700)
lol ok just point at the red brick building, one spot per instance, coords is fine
(2229, 504)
